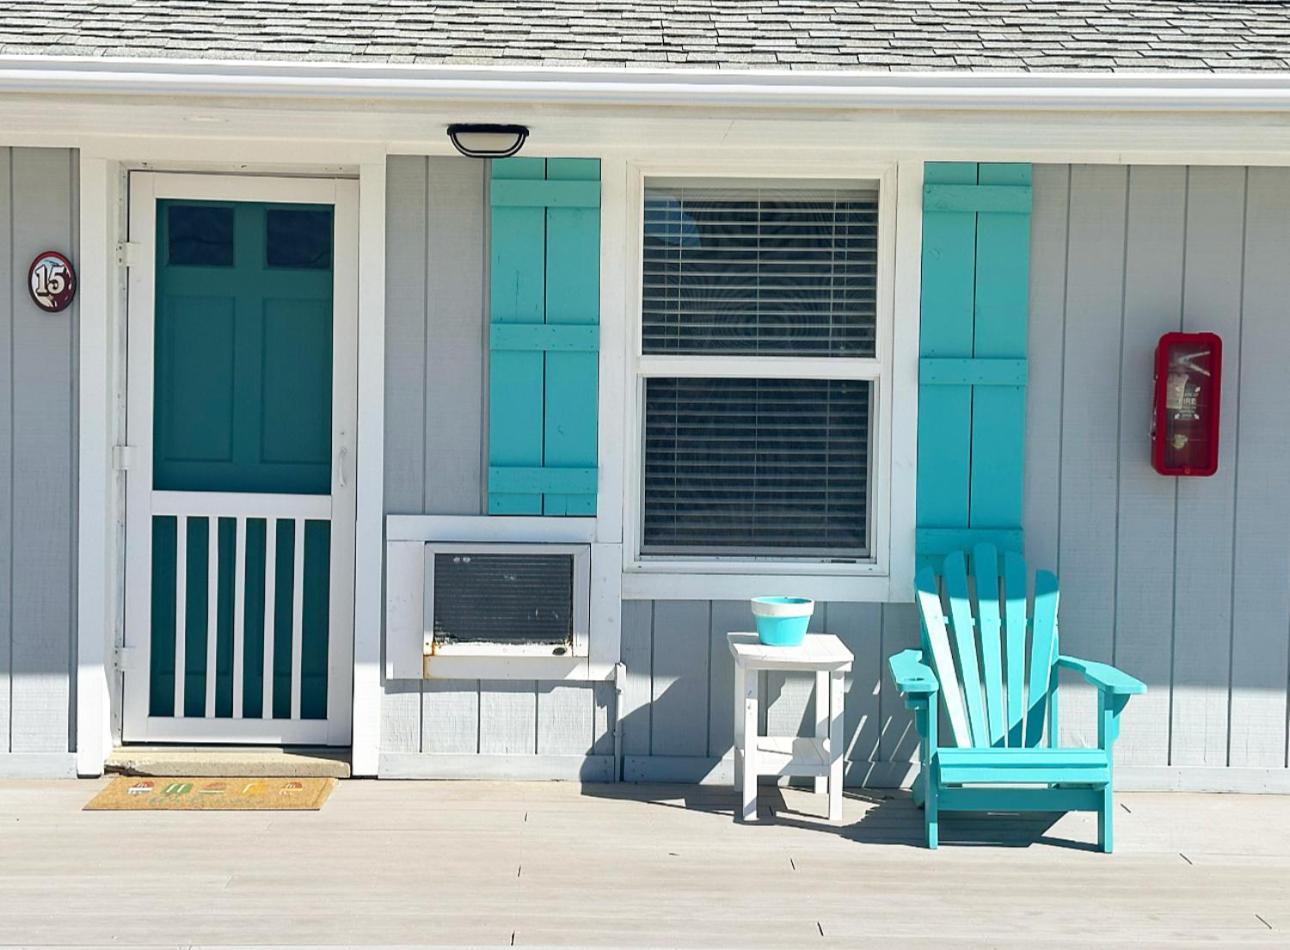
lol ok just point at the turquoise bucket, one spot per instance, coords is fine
(782, 621)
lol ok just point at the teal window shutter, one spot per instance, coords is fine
(544, 324)
(972, 356)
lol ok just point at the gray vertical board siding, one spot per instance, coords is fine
(1090, 429)
(1153, 284)
(1203, 553)
(434, 436)
(8, 290)
(1182, 582)
(679, 695)
(898, 739)
(1261, 571)
(40, 213)
(637, 654)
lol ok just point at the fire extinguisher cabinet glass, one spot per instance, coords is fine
(1184, 431)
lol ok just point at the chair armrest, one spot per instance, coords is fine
(913, 677)
(1105, 677)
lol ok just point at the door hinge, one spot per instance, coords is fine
(123, 658)
(122, 457)
(129, 253)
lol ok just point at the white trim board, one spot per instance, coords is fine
(516, 768)
(885, 576)
(39, 765)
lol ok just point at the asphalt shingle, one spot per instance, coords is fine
(1041, 35)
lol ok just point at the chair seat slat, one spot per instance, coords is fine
(956, 589)
(985, 570)
(1043, 641)
(1014, 583)
(942, 658)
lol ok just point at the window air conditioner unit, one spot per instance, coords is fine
(506, 599)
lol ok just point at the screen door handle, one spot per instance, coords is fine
(342, 458)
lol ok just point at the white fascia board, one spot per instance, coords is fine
(1127, 91)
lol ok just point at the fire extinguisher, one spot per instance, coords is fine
(1184, 431)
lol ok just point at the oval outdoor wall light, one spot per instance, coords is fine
(487, 140)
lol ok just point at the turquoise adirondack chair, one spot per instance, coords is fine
(998, 757)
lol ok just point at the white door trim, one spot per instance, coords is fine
(145, 189)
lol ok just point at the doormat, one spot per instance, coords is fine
(131, 793)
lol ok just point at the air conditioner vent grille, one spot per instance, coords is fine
(503, 598)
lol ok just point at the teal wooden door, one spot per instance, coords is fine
(243, 363)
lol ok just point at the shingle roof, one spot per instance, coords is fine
(1103, 35)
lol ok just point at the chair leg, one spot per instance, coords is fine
(1105, 821)
(931, 814)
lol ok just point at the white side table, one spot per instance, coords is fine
(755, 755)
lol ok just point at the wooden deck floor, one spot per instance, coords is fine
(528, 864)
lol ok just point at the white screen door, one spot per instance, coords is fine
(240, 422)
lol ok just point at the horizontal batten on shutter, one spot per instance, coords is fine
(948, 371)
(937, 542)
(1000, 199)
(539, 193)
(541, 480)
(545, 337)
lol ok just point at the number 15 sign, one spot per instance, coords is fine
(52, 281)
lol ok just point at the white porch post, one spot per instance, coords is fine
(96, 479)
(369, 537)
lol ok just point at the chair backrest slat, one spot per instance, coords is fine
(1043, 638)
(936, 641)
(956, 590)
(1014, 613)
(985, 573)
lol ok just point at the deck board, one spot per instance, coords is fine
(561, 864)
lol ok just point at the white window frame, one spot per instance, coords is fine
(886, 574)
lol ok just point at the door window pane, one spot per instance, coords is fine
(199, 235)
(298, 237)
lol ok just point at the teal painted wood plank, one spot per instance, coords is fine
(994, 198)
(985, 569)
(945, 412)
(545, 194)
(551, 337)
(941, 541)
(940, 655)
(1021, 799)
(945, 371)
(964, 628)
(1104, 676)
(542, 480)
(1043, 638)
(517, 287)
(911, 674)
(1014, 616)
(572, 297)
(1001, 313)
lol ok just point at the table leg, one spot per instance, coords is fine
(821, 720)
(740, 676)
(750, 731)
(836, 688)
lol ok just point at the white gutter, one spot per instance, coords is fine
(56, 75)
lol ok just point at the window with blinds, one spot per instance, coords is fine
(744, 458)
(756, 467)
(770, 271)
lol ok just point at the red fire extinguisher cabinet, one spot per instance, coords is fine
(1188, 382)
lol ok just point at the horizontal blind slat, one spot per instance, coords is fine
(759, 466)
(776, 271)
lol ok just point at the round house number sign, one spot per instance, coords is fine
(52, 281)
